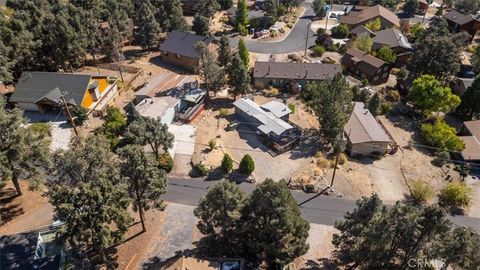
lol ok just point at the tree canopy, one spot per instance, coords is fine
(238, 77)
(331, 100)
(22, 150)
(147, 30)
(442, 136)
(469, 107)
(318, 7)
(428, 95)
(387, 55)
(363, 42)
(213, 76)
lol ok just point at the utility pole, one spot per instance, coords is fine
(306, 40)
(335, 169)
(69, 115)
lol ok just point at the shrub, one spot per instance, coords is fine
(387, 55)
(340, 31)
(273, 92)
(456, 195)
(342, 49)
(323, 163)
(442, 158)
(165, 162)
(200, 168)
(374, 25)
(247, 166)
(212, 144)
(309, 188)
(385, 108)
(291, 106)
(227, 163)
(223, 112)
(393, 96)
(442, 136)
(41, 128)
(318, 50)
(80, 114)
(394, 71)
(342, 159)
(421, 192)
(365, 82)
(281, 10)
(320, 31)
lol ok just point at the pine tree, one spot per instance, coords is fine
(238, 77)
(331, 100)
(374, 105)
(225, 4)
(201, 25)
(219, 213)
(145, 181)
(285, 236)
(212, 75)
(243, 53)
(469, 107)
(151, 132)
(21, 149)
(169, 14)
(147, 29)
(89, 196)
(241, 15)
(224, 52)
(206, 8)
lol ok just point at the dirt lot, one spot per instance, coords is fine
(244, 141)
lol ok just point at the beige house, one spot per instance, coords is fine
(364, 134)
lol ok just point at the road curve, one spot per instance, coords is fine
(294, 42)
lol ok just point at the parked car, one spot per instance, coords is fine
(232, 126)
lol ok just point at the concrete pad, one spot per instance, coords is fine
(60, 128)
(184, 139)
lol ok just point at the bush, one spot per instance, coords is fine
(281, 10)
(247, 166)
(223, 112)
(323, 163)
(318, 50)
(227, 163)
(342, 49)
(212, 144)
(80, 114)
(320, 31)
(421, 192)
(342, 159)
(41, 128)
(200, 168)
(365, 82)
(340, 31)
(393, 96)
(442, 136)
(273, 92)
(385, 108)
(309, 188)
(165, 162)
(292, 107)
(456, 195)
(442, 158)
(394, 71)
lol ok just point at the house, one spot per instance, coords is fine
(269, 120)
(471, 138)
(190, 263)
(460, 85)
(362, 15)
(164, 108)
(395, 40)
(31, 250)
(359, 30)
(364, 134)
(365, 66)
(179, 49)
(43, 91)
(191, 105)
(458, 22)
(295, 75)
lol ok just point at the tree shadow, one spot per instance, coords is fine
(8, 208)
(216, 174)
(308, 146)
(155, 263)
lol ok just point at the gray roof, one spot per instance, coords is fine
(390, 37)
(270, 123)
(279, 109)
(458, 17)
(298, 71)
(363, 128)
(182, 43)
(36, 86)
(360, 30)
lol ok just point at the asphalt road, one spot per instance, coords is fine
(321, 210)
(294, 42)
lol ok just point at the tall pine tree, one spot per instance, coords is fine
(147, 29)
(243, 53)
(224, 52)
(238, 77)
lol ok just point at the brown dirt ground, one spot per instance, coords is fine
(13, 207)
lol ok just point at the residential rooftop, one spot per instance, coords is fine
(363, 127)
(183, 43)
(298, 71)
(368, 13)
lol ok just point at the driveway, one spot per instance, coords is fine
(294, 42)
(183, 147)
(61, 129)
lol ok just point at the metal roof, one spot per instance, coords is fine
(183, 43)
(270, 123)
(279, 109)
(362, 126)
(34, 86)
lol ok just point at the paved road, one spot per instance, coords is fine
(294, 42)
(321, 210)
